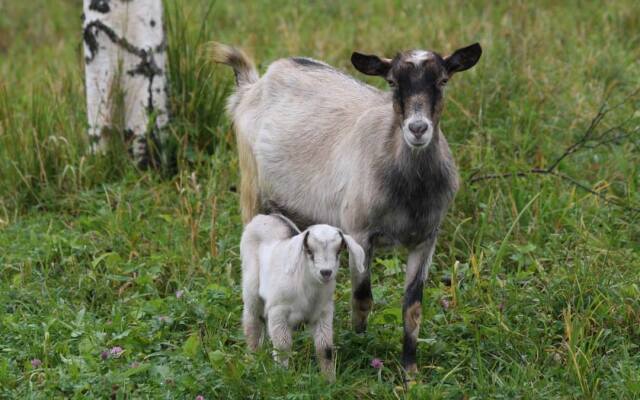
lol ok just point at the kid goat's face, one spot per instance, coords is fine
(418, 79)
(322, 245)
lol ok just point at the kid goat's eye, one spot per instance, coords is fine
(391, 83)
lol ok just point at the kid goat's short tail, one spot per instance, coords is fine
(243, 67)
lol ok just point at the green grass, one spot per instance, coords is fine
(544, 299)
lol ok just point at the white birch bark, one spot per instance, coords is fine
(125, 49)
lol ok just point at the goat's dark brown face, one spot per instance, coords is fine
(418, 79)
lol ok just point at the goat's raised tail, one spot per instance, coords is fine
(246, 75)
(246, 72)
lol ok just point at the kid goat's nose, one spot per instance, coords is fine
(325, 273)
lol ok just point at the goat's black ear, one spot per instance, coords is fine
(343, 245)
(463, 59)
(371, 65)
(305, 245)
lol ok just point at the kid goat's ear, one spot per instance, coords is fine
(463, 59)
(298, 248)
(356, 254)
(370, 64)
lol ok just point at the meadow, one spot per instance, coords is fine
(122, 283)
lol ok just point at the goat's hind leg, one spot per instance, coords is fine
(253, 306)
(249, 201)
(253, 322)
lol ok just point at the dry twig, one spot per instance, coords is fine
(590, 139)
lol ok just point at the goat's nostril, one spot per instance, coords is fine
(418, 128)
(325, 273)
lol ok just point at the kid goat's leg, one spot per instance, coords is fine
(252, 321)
(323, 339)
(280, 335)
(253, 306)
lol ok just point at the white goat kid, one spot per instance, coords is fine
(288, 278)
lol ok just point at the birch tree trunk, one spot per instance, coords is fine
(126, 83)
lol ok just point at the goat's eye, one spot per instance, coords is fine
(391, 83)
(443, 82)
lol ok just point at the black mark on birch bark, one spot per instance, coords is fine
(92, 44)
(147, 67)
(94, 27)
(101, 6)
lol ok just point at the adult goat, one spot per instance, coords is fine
(320, 146)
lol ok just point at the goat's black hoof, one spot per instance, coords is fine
(410, 375)
(359, 327)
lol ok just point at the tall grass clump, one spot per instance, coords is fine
(198, 89)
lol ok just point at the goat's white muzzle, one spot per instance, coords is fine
(417, 131)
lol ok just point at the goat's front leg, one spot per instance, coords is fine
(362, 298)
(280, 334)
(417, 267)
(323, 339)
